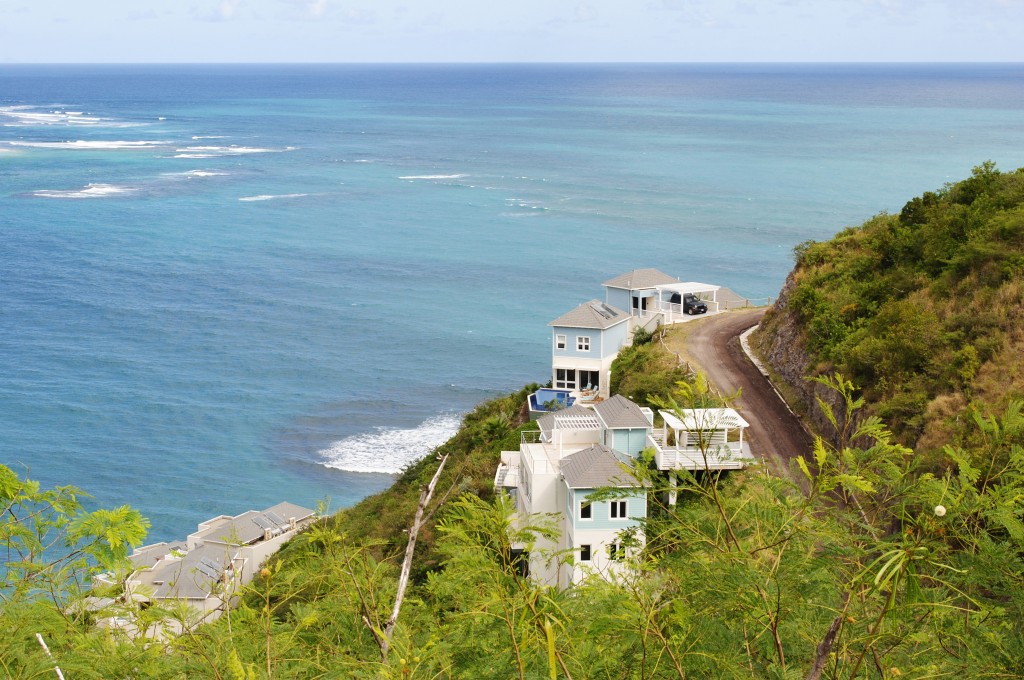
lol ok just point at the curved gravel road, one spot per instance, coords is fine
(713, 344)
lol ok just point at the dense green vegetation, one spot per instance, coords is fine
(925, 309)
(864, 567)
(645, 372)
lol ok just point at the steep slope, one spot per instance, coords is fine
(924, 310)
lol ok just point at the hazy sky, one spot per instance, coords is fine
(518, 31)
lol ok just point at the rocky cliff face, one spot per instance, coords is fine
(781, 342)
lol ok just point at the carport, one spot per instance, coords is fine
(670, 298)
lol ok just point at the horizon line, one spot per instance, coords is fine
(510, 63)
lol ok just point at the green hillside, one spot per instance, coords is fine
(923, 310)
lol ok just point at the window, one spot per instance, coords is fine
(582, 343)
(586, 511)
(565, 378)
(616, 551)
(559, 342)
(618, 509)
(585, 552)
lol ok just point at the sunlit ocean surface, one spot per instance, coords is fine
(225, 286)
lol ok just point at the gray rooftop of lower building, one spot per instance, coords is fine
(575, 417)
(593, 314)
(640, 278)
(618, 412)
(596, 467)
(192, 577)
(252, 526)
(147, 555)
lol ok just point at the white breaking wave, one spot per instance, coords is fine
(93, 145)
(389, 450)
(26, 116)
(90, 191)
(270, 197)
(432, 177)
(197, 173)
(194, 137)
(213, 151)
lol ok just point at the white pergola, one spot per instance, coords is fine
(704, 426)
(705, 419)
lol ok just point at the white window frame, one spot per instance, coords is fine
(582, 343)
(579, 513)
(559, 342)
(618, 510)
(586, 553)
(565, 383)
(616, 551)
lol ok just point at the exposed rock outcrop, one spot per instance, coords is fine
(781, 342)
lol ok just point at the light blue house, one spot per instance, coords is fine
(599, 533)
(637, 291)
(584, 342)
(653, 297)
(625, 426)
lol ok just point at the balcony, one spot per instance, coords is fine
(700, 439)
(725, 456)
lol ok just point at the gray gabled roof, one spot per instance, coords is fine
(193, 576)
(575, 417)
(250, 527)
(640, 278)
(593, 314)
(619, 412)
(148, 555)
(595, 467)
(287, 511)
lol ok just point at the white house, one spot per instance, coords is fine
(557, 468)
(584, 342)
(580, 449)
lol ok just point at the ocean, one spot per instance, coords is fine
(226, 286)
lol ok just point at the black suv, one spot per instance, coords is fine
(693, 304)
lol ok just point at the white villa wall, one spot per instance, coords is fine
(600, 563)
(567, 442)
(540, 493)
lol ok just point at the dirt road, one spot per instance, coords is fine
(713, 344)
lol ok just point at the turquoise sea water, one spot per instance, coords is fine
(224, 286)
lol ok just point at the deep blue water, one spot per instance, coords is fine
(224, 286)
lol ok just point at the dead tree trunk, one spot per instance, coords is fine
(403, 579)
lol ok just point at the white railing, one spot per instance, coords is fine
(674, 310)
(721, 456)
(746, 302)
(529, 437)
